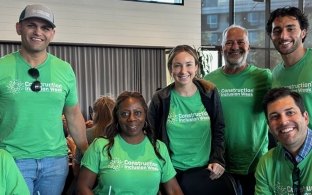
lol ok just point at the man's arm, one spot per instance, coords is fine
(76, 126)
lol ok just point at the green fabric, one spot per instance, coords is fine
(134, 168)
(31, 122)
(188, 122)
(11, 179)
(246, 130)
(297, 77)
(274, 174)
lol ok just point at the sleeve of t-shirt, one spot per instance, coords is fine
(72, 96)
(67, 77)
(167, 172)
(262, 186)
(14, 181)
(92, 157)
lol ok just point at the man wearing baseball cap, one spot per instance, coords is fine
(38, 11)
(36, 88)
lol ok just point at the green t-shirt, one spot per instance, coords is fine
(274, 173)
(246, 130)
(189, 131)
(298, 78)
(134, 168)
(11, 179)
(31, 122)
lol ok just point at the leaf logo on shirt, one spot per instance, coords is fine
(15, 86)
(279, 189)
(115, 164)
(172, 118)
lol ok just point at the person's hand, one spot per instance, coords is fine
(216, 170)
(89, 123)
(71, 145)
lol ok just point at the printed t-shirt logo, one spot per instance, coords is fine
(16, 86)
(117, 164)
(244, 92)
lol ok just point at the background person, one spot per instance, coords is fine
(35, 89)
(288, 27)
(242, 87)
(286, 169)
(187, 116)
(102, 117)
(128, 155)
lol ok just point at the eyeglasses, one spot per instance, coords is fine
(36, 85)
(296, 180)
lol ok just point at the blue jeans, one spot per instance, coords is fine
(44, 176)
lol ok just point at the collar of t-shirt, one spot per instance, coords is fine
(304, 151)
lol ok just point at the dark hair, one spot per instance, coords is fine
(183, 48)
(102, 109)
(278, 93)
(288, 11)
(112, 129)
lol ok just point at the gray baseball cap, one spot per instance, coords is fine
(37, 11)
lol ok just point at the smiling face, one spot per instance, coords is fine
(36, 34)
(131, 118)
(287, 123)
(183, 68)
(235, 47)
(286, 34)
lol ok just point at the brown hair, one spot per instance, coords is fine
(183, 48)
(102, 109)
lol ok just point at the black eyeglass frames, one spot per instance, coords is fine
(36, 85)
(296, 180)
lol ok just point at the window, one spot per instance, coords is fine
(253, 37)
(253, 18)
(176, 2)
(213, 38)
(212, 21)
(209, 3)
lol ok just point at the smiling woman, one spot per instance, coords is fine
(128, 150)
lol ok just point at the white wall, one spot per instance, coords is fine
(113, 22)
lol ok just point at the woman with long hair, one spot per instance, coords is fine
(187, 116)
(127, 155)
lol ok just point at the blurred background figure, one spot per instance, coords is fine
(89, 123)
(101, 116)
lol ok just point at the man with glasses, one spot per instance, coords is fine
(286, 169)
(35, 89)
